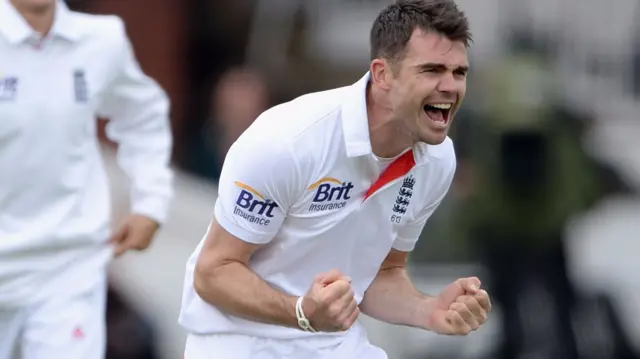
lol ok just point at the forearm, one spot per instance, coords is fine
(392, 298)
(140, 126)
(237, 290)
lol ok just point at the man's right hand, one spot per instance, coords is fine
(330, 304)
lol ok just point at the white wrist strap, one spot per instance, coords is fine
(303, 322)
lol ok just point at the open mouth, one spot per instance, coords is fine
(439, 113)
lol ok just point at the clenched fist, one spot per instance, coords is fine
(330, 304)
(461, 308)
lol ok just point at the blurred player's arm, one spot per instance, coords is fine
(257, 183)
(138, 113)
(392, 297)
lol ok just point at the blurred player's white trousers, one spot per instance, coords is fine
(68, 325)
(230, 346)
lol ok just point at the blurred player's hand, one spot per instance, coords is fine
(460, 309)
(136, 232)
(330, 304)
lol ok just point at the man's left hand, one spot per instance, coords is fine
(136, 232)
(460, 309)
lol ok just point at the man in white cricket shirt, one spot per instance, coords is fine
(58, 71)
(322, 199)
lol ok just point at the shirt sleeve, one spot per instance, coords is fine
(138, 113)
(409, 234)
(258, 183)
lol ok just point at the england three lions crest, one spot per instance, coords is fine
(403, 199)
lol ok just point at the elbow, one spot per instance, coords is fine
(206, 280)
(199, 283)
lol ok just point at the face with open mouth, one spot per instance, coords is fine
(439, 113)
(429, 85)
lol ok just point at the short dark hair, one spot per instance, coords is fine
(392, 29)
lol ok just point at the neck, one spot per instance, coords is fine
(388, 136)
(39, 18)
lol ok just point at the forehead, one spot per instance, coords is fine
(432, 47)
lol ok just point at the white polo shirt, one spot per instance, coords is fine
(296, 181)
(54, 200)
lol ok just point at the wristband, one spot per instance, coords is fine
(303, 322)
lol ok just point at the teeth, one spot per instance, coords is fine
(442, 106)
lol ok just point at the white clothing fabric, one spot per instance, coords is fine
(54, 199)
(232, 346)
(296, 183)
(69, 325)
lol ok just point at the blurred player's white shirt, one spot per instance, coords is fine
(296, 182)
(54, 200)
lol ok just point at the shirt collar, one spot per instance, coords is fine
(355, 123)
(65, 25)
(16, 29)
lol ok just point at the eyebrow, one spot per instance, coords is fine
(441, 67)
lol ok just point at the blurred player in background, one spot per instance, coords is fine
(59, 70)
(323, 198)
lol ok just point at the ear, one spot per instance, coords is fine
(381, 73)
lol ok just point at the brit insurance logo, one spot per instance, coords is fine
(330, 193)
(253, 206)
(403, 199)
(8, 88)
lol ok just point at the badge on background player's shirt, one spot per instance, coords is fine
(8, 88)
(80, 86)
